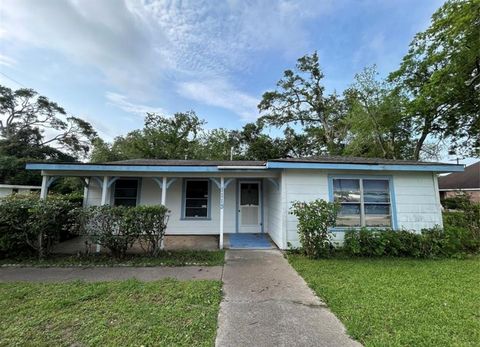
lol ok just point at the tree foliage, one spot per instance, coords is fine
(441, 76)
(299, 100)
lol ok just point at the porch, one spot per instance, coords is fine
(203, 201)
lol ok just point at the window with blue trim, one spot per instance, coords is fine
(196, 199)
(364, 202)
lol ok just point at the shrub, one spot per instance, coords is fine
(430, 243)
(314, 220)
(118, 227)
(29, 224)
(150, 223)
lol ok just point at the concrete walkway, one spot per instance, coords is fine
(96, 274)
(267, 303)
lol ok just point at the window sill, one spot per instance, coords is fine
(196, 219)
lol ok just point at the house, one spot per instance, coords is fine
(466, 182)
(245, 197)
(8, 189)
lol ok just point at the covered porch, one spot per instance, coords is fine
(218, 200)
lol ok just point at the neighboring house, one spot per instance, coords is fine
(8, 189)
(466, 182)
(217, 197)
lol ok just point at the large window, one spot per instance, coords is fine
(125, 193)
(196, 198)
(363, 202)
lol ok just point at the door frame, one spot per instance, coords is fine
(237, 202)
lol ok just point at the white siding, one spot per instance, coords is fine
(151, 195)
(418, 201)
(274, 213)
(416, 197)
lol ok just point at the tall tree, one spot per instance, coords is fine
(299, 100)
(29, 118)
(441, 75)
(162, 137)
(376, 119)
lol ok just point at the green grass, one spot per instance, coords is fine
(127, 313)
(172, 258)
(400, 302)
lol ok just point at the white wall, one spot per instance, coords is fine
(151, 195)
(274, 213)
(416, 197)
(418, 201)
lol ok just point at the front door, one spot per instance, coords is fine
(249, 211)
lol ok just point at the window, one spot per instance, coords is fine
(196, 198)
(363, 202)
(125, 193)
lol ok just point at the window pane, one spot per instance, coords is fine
(196, 199)
(346, 190)
(196, 203)
(376, 191)
(195, 212)
(249, 194)
(197, 189)
(125, 202)
(125, 193)
(377, 215)
(349, 215)
(126, 184)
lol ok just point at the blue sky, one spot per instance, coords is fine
(110, 61)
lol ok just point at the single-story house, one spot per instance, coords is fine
(466, 182)
(218, 197)
(8, 189)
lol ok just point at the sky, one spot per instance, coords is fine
(110, 61)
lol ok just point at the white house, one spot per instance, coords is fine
(8, 189)
(235, 197)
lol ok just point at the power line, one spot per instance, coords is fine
(13, 80)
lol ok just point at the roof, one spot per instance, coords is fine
(330, 162)
(470, 178)
(356, 160)
(176, 162)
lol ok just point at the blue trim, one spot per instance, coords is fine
(128, 168)
(391, 188)
(209, 200)
(373, 167)
(269, 165)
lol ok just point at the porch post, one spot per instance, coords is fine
(164, 190)
(104, 201)
(164, 201)
(44, 190)
(222, 203)
(104, 190)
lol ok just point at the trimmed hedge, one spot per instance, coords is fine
(28, 224)
(119, 227)
(452, 241)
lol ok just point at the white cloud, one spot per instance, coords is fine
(7, 61)
(142, 45)
(122, 102)
(221, 94)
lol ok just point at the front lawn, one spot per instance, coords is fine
(167, 258)
(400, 302)
(126, 313)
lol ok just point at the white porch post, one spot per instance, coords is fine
(104, 190)
(222, 203)
(103, 202)
(164, 201)
(164, 190)
(44, 190)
